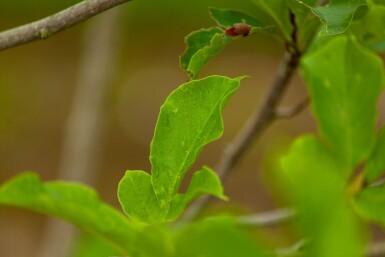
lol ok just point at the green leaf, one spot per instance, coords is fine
(227, 18)
(375, 166)
(278, 10)
(137, 197)
(189, 119)
(219, 237)
(317, 190)
(370, 204)
(345, 81)
(337, 16)
(201, 46)
(91, 246)
(369, 30)
(204, 181)
(72, 202)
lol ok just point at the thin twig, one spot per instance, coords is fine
(269, 218)
(376, 249)
(50, 25)
(285, 113)
(292, 250)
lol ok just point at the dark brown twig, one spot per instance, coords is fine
(50, 25)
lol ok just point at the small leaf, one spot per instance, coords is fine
(217, 237)
(137, 197)
(72, 202)
(369, 30)
(189, 119)
(201, 46)
(317, 190)
(344, 96)
(204, 181)
(278, 11)
(375, 166)
(337, 16)
(370, 204)
(227, 18)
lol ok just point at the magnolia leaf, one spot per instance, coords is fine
(278, 11)
(75, 203)
(216, 237)
(323, 210)
(204, 181)
(375, 166)
(344, 96)
(370, 204)
(189, 119)
(201, 46)
(337, 16)
(137, 197)
(88, 245)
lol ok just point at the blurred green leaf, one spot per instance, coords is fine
(369, 30)
(375, 166)
(201, 46)
(72, 202)
(91, 246)
(370, 204)
(219, 237)
(204, 181)
(317, 190)
(189, 119)
(337, 15)
(227, 18)
(345, 81)
(278, 10)
(378, 1)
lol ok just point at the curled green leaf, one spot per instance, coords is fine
(189, 119)
(201, 46)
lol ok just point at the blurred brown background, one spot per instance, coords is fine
(38, 84)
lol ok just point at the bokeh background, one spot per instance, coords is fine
(139, 59)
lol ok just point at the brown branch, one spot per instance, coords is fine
(50, 25)
(285, 113)
(84, 126)
(269, 218)
(376, 249)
